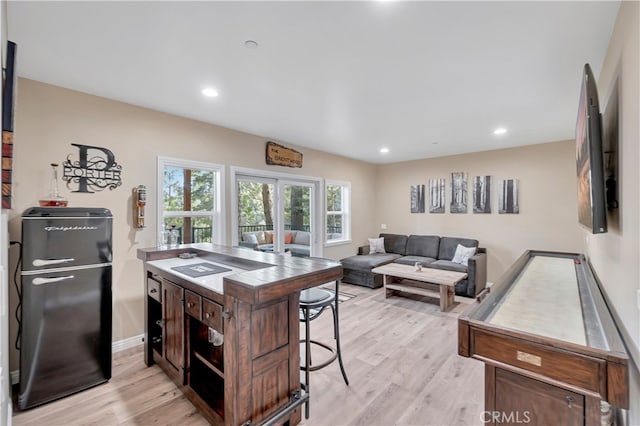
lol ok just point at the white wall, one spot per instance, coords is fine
(615, 255)
(548, 209)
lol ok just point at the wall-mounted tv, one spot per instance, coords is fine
(592, 207)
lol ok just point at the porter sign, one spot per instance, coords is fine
(96, 168)
(281, 156)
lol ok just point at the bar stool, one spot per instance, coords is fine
(313, 301)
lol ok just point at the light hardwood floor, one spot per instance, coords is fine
(400, 355)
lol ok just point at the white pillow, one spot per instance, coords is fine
(463, 254)
(376, 245)
(252, 238)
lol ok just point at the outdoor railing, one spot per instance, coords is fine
(203, 234)
(198, 235)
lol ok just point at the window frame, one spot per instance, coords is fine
(216, 214)
(345, 212)
(236, 173)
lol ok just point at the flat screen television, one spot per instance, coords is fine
(592, 207)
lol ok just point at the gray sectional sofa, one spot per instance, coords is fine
(431, 251)
(299, 246)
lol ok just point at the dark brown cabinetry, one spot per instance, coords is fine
(182, 325)
(173, 319)
(235, 355)
(550, 346)
(517, 399)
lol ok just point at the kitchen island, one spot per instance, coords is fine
(224, 325)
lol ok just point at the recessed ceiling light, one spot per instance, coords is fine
(384, 150)
(250, 44)
(210, 92)
(500, 131)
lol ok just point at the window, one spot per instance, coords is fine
(282, 210)
(190, 199)
(338, 218)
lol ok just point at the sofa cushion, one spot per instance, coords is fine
(411, 260)
(367, 262)
(302, 238)
(423, 245)
(447, 265)
(297, 249)
(448, 246)
(395, 243)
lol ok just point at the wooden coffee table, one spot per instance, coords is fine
(420, 280)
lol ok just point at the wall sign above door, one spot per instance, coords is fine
(95, 169)
(279, 155)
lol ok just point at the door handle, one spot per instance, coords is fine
(45, 262)
(40, 281)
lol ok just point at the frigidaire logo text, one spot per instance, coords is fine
(69, 228)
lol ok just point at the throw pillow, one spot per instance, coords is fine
(269, 237)
(252, 238)
(301, 237)
(261, 237)
(288, 236)
(463, 254)
(376, 245)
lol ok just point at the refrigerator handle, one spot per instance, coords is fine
(45, 262)
(40, 281)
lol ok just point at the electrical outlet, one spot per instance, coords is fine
(383, 226)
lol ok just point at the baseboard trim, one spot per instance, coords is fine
(118, 346)
(123, 344)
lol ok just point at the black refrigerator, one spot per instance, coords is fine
(66, 302)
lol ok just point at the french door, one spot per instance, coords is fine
(277, 214)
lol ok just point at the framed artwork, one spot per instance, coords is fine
(417, 198)
(458, 192)
(436, 195)
(508, 196)
(482, 194)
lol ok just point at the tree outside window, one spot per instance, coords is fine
(337, 222)
(189, 200)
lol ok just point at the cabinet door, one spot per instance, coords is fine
(173, 315)
(519, 399)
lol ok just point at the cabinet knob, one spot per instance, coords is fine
(569, 400)
(153, 290)
(207, 315)
(189, 304)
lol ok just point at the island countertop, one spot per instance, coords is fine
(252, 276)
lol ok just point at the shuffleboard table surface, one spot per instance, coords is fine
(544, 300)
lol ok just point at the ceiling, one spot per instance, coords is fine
(423, 79)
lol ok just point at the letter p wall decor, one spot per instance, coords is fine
(95, 169)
